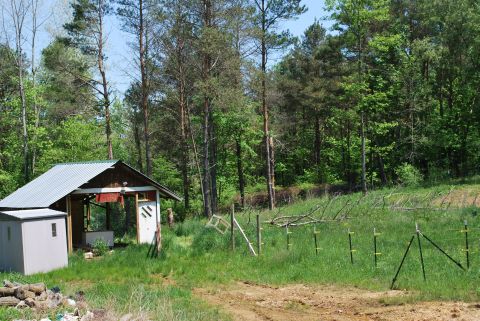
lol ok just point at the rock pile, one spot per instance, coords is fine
(35, 296)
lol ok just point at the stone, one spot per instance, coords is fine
(37, 288)
(21, 305)
(30, 294)
(54, 300)
(88, 255)
(42, 305)
(30, 302)
(42, 297)
(22, 293)
(9, 301)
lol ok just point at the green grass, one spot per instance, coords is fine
(127, 282)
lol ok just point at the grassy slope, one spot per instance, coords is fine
(194, 256)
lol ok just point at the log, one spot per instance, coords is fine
(4, 291)
(22, 293)
(9, 301)
(37, 288)
(30, 302)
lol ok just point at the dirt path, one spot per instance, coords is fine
(246, 302)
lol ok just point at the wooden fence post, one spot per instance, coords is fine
(259, 235)
(232, 227)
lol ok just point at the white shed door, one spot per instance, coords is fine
(147, 221)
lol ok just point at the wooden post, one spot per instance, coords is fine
(259, 235)
(315, 239)
(89, 215)
(69, 225)
(107, 216)
(232, 227)
(159, 222)
(137, 215)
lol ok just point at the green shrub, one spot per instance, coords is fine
(100, 247)
(7, 183)
(408, 175)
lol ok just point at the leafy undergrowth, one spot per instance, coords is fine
(193, 256)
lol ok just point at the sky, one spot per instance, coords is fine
(120, 68)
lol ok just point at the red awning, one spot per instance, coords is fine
(109, 198)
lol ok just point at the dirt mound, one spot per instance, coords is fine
(247, 301)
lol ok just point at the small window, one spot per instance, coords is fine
(9, 233)
(54, 229)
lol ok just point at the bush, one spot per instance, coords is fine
(7, 184)
(100, 247)
(408, 175)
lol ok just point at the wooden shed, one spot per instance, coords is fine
(73, 188)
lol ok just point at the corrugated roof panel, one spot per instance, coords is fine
(54, 184)
(31, 214)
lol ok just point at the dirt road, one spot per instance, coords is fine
(248, 302)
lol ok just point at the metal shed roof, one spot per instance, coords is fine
(54, 184)
(61, 180)
(23, 215)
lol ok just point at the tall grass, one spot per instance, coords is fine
(194, 256)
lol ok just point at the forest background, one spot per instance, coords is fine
(220, 101)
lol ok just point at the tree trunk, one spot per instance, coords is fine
(36, 108)
(207, 200)
(144, 79)
(241, 178)
(26, 170)
(195, 153)
(348, 158)
(101, 69)
(19, 12)
(183, 130)
(381, 169)
(270, 174)
(317, 140)
(138, 141)
(364, 166)
(213, 162)
(206, 164)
